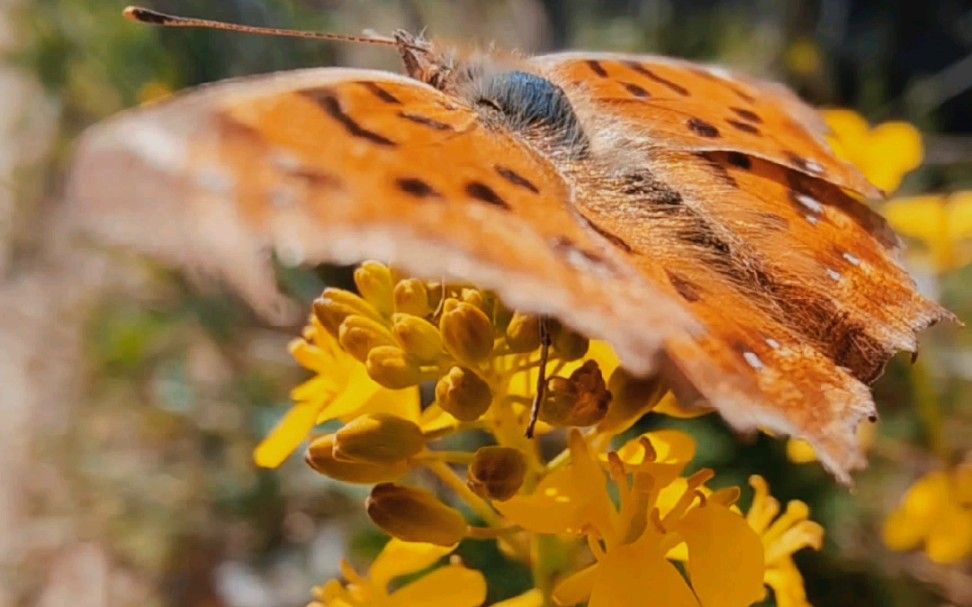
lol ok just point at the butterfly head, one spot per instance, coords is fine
(425, 61)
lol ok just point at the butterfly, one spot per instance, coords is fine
(692, 217)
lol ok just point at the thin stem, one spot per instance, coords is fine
(541, 377)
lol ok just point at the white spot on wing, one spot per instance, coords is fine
(833, 274)
(811, 219)
(810, 203)
(854, 261)
(753, 360)
(813, 166)
(773, 343)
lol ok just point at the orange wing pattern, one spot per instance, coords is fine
(687, 106)
(339, 165)
(792, 277)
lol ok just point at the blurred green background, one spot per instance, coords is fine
(132, 395)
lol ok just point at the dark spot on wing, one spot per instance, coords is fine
(747, 115)
(702, 128)
(636, 90)
(647, 73)
(612, 238)
(573, 253)
(803, 164)
(597, 68)
(315, 178)
(481, 191)
(740, 160)
(425, 121)
(686, 288)
(416, 187)
(745, 127)
(516, 179)
(381, 93)
(327, 100)
(648, 189)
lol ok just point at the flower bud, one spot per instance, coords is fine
(496, 473)
(523, 333)
(378, 438)
(414, 515)
(474, 297)
(411, 297)
(320, 457)
(419, 338)
(466, 331)
(358, 335)
(334, 305)
(580, 400)
(501, 317)
(632, 397)
(392, 368)
(374, 282)
(463, 394)
(567, 344)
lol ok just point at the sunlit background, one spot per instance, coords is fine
(132, 395)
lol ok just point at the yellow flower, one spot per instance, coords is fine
(800, 452)
(340, 388)
(936, 511)
(631, 542)
(885, 154)
(943, 224)
(448, 586)
(781, 537)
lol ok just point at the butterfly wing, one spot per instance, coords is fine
(743, 212)
(339, 165)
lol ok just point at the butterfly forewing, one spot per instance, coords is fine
(340, 165)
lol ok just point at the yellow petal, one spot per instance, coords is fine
(355, 395)
(553, 507)
(950, 538)
(450, 586)
(673, 450)
(530, 598)
(629, 574)
(725, 557)
(922, 505)
(670, 406)
(400, 558)
(799, 451)
(847, 127)
(575, 588)
(893, 149)
(405, 403)
(289, 433)
(787, 585)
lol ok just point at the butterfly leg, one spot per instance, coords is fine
(541, 377)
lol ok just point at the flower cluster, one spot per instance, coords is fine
(595, 524)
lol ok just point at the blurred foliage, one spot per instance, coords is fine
(154, 458)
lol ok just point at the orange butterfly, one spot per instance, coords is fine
(693, 218)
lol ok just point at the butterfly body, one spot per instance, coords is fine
(693, 218)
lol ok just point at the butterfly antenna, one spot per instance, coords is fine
(151, 17)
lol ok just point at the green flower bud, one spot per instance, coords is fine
(411, 297)
(374, 282)
(632, 397)
(320, 457)
(567, 344)
(358, 335)
(392, 368)
(414, 515)
(334, 305)
(496, 473)
(378, 438)
(580, 400)
(523, 333)
(466, 331)
(463, 394)
(419, 338)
